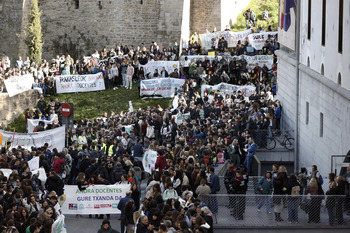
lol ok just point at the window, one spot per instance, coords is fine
(309, 20)
(322, 69)
(323, 22)
(308, 61)
(100, 5)
(321, 124)
(307, 113)
(340, 29)
(141, 2)
(76, 4)
(339, 79)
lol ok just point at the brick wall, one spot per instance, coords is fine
(205, 14)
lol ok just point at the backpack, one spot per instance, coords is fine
(295, 190)
(320, 179)
(62, 167)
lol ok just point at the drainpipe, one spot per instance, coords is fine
(297, 89)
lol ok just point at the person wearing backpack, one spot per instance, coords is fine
(316, 173)
(59, 164)
(293, 189)
(302, 178)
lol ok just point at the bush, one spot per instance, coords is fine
(258, 6)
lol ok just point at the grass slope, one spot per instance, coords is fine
(258, 6)
(93, 104)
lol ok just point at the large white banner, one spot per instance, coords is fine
(232, 38)
(160, 87)
(79, 83)
(54, 137)
(251, 60)
(149, 160)
(257, 40)
(247, 90)
(32, 123)
(96, 199)
(261, 60)
(169, 66)
(195, 58)
(18, 84)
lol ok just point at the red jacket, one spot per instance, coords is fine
(57, 164)
(160, 163)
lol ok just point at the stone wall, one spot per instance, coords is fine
(12, 107)
(14, 18)
(105, 23)
(205, 14)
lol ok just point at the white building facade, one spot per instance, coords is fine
(316, 103)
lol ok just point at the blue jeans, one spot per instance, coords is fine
(293, 209)
(330, 211)
(264, 198)
(248, 163)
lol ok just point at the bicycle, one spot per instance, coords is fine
(287, 142)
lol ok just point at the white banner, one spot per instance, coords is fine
(195, 58)
(231, 37)
(170, 66)
(32, 123)
(96, 199)
(260, 59)
(247, 90)
(149, 160)
(54, 138)
(180, 117)
(6, 171)
(160, 87)
(79, 83)
(251, 60)
(18, 84)
(257, 40)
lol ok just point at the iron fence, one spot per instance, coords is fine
(277, 210)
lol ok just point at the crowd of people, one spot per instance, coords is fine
(109, 149)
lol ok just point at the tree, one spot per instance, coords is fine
(34, 34)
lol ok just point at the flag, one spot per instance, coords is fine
(286, 14)
(282, 14)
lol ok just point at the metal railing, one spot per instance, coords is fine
(253, 185)
(277, 210)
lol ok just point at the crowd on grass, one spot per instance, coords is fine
(109, 149)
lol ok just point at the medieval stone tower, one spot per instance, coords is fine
(78, 27)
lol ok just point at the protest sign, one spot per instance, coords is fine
(33, 163)
(32, 123)
(247, 90)
(149, 160)
(169, 66)
(160, 87)
(180, 117)
(232, 38)
(257, 40)
(195, 58)
(79, 83)
(54, 138)
(95, 199)
(18, 84)
(41, 175)
(6, 171)
(58, 225)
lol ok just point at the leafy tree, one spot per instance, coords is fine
(34, 34)
(258, 6)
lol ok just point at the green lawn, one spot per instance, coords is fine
(93, 104)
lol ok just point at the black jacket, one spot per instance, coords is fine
(55, 183)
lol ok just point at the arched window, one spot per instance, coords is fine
(322, 69)
(339, 78)
(308, 61)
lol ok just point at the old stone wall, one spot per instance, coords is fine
(205, 14)
(12, 107)
(14, 18)
(78, 30)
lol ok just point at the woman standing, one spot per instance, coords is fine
(265, 187)
(279, 185)
(315, 203)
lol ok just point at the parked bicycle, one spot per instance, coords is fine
(287, 142)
